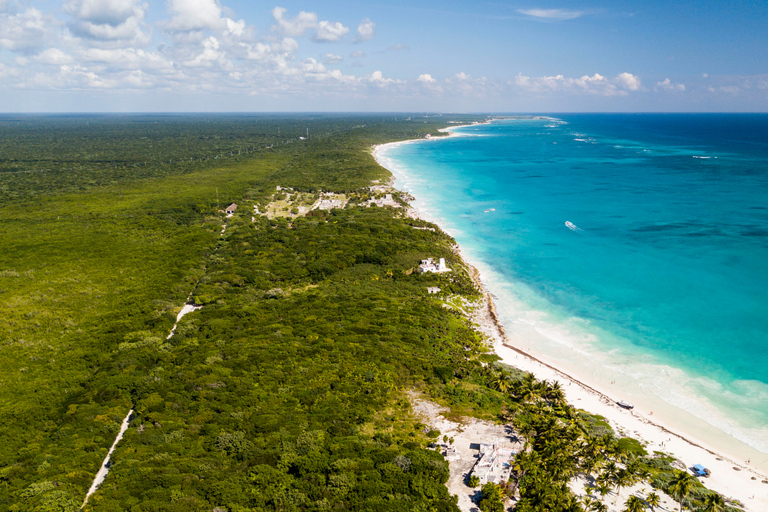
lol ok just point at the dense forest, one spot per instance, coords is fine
(285, 389)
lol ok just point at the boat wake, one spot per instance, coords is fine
(573, 227)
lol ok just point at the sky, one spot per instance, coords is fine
(393, 55)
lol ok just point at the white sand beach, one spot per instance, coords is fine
(738, 472)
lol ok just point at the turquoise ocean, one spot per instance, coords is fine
(630, 248)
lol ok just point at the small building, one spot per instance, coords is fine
(494, 464)
(330, 204)
(433, 289)
(387, 200)
(451, 454)
(231, 208)
(429, 265)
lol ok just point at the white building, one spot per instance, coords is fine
(494, 464)
(429, 265)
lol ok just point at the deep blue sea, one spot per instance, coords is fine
(628, 245)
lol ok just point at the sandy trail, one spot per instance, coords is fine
(104, 469)
(188, 308)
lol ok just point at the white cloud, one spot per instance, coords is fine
(331, 58)
(552, 14)
(236, 28)
(196, 16)
(595, 84)
(103, 12)
(72, 77)
(429, 83)
(377, 78)
(668, 85)
(127, 58)
(54, 56)
(210, 54)
(278, 52)
(365, 31)
(138, 80)
(728, 89)
(312, 66)
(208, 50)
(191, 15)
(629, 81)
(116, 22)
(426, 79)
(327, 31)
(465, 85)
(297, 26)
(25, 32)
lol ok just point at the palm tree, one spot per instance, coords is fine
(555, 393)
(603, 488)
(525, 387)
(634, 504)
(653, 500)
(501, 383)
(622, 478)
(714, 503)
(591, 456)
(523, 463)
(593, 505)
(571, 504)
(681, 485)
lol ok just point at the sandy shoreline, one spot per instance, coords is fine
(731, 476)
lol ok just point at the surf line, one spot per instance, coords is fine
(102, 473)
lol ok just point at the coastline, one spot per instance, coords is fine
(731, 476)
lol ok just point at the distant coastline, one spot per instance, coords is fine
(731, 475)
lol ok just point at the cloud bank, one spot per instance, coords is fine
(201, 47)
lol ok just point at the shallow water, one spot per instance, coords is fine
(632, 245)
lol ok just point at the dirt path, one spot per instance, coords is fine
(104, 469)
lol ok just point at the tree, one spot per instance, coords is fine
(555, 393)
(622, 478)
(681, 486)
(474, 481)
(603, 488)
(525, 462)
(591, 456)
(501, 383)
(653, 500)
(634, 504)
(493, 500)
(714, 503)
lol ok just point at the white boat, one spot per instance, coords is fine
(570, 225)
(625, 405)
